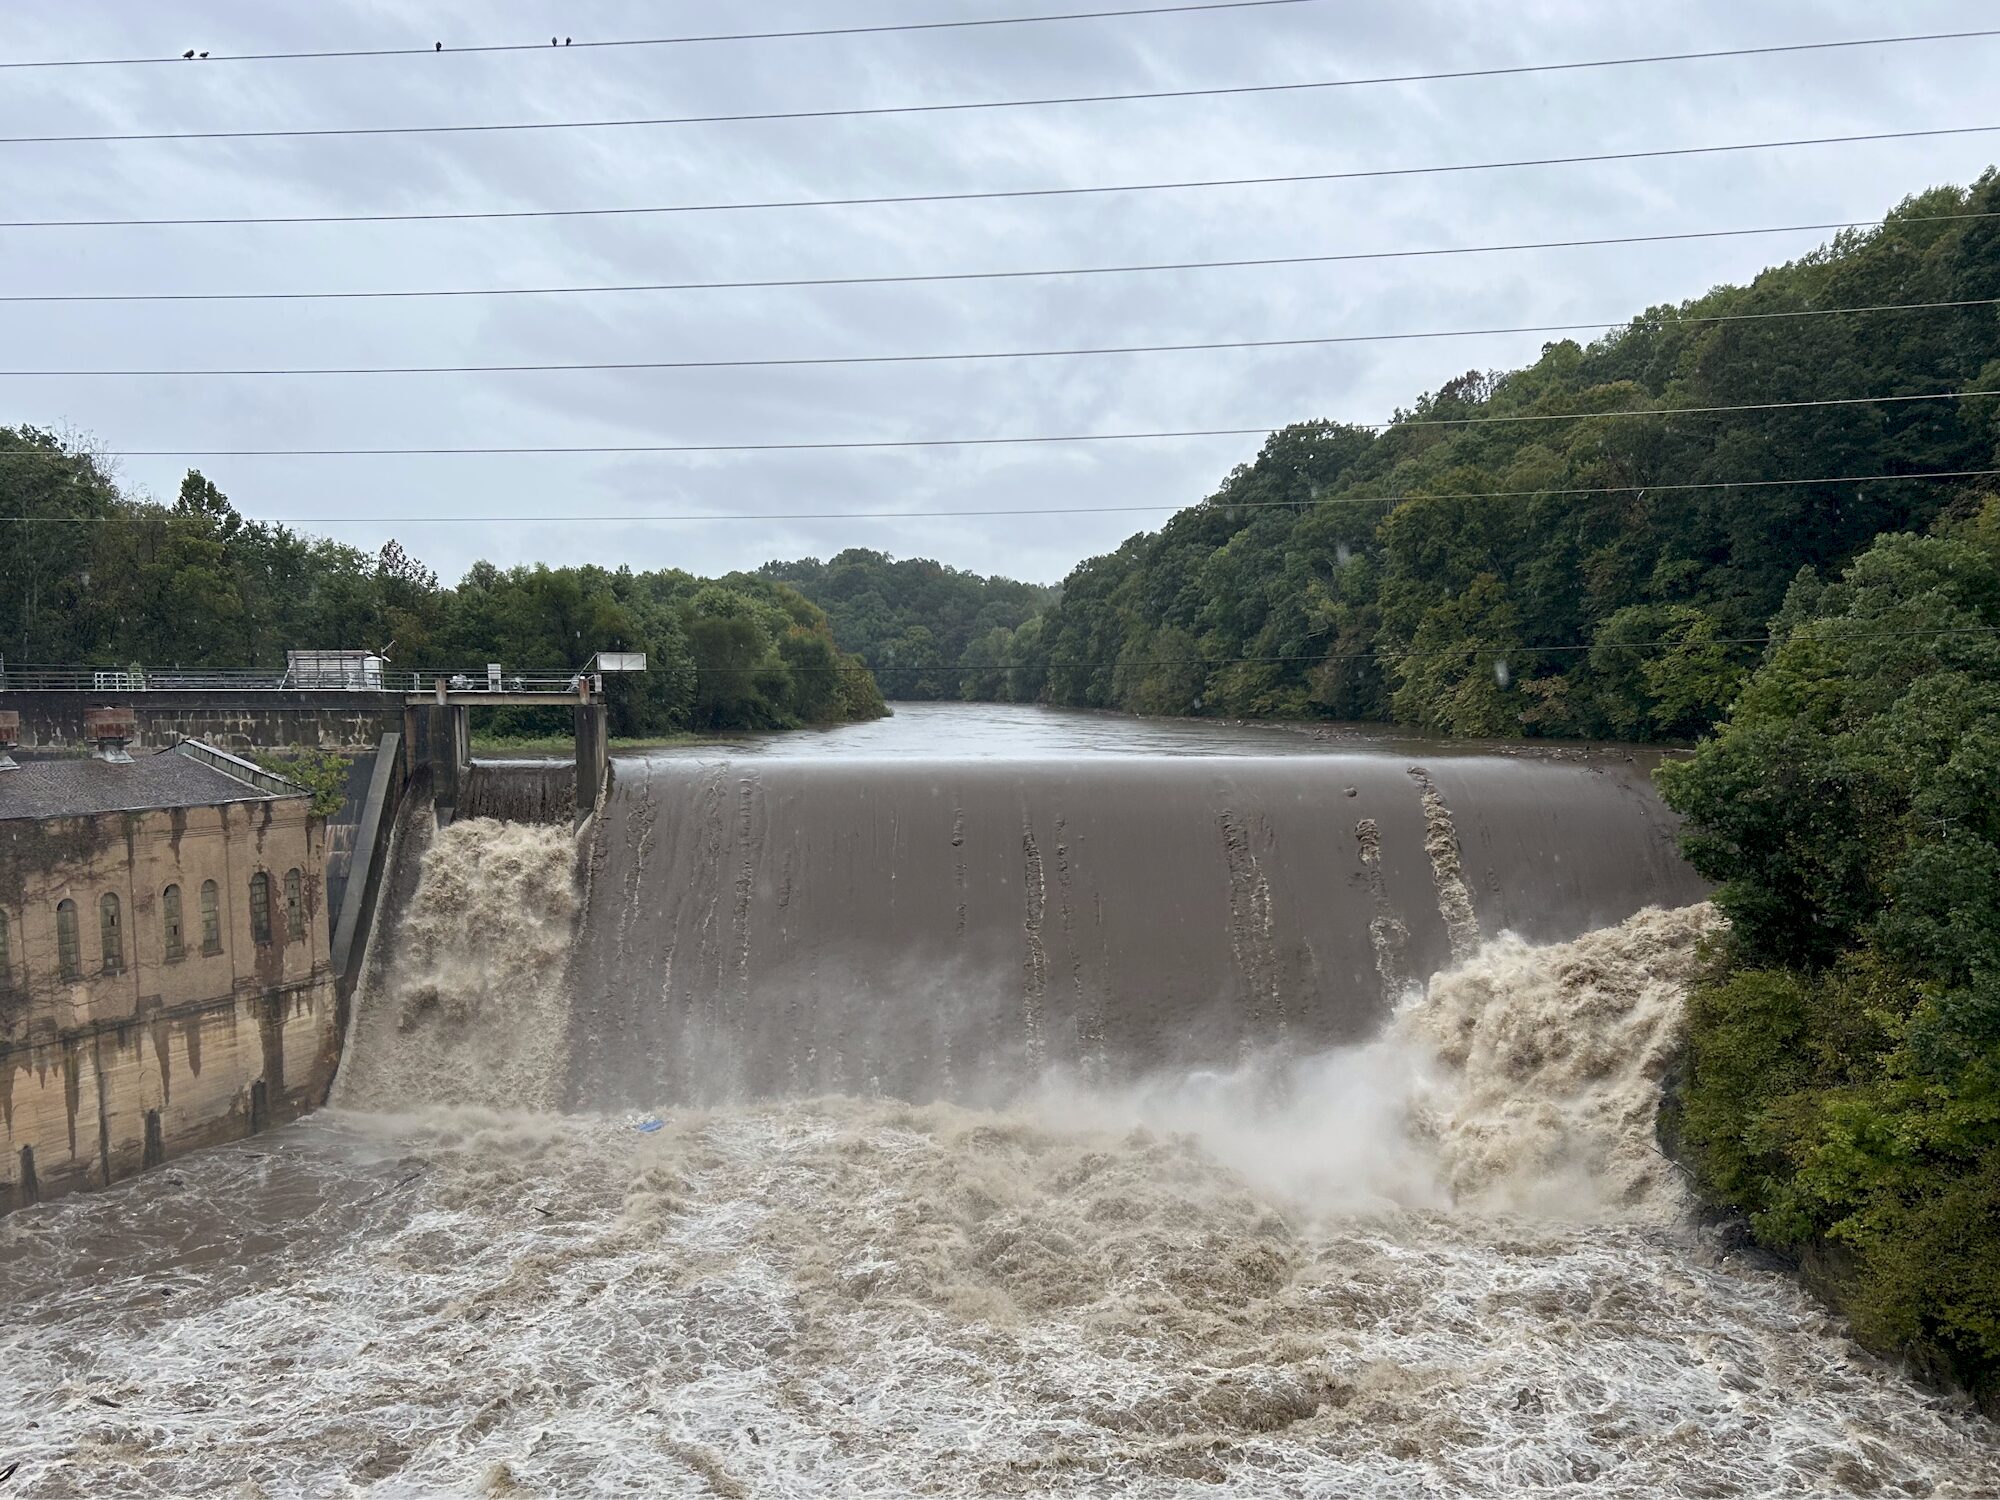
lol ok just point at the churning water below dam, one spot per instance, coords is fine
(984, 1102)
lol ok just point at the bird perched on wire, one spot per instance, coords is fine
(437, 46)
(552, 41)
(203, 54)
(188, 53)
(565, 41)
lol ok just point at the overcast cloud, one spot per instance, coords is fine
(1897, 88)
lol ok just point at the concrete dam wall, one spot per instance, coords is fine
(953, 928)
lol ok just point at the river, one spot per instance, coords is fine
(1302, 1225)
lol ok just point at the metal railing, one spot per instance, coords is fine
(132, 678)
(505, 682)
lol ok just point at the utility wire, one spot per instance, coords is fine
(1013, 441)
(1075, 437)
(795, 362)
(1473, 648)
(1461, 648)
(996, 195)
(43, 455)
(1210, 504)
(904, 280)
(1468, 648)
(728, 36)
(854, 112)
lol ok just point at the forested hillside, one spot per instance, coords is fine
(919, 625)
(96, 577)
(1479, 568)
(1843, 1078)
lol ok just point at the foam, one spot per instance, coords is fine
(1321, 1276)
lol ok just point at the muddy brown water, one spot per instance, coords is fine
(1197, 1187)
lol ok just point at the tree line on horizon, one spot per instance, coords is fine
(1478, 569)
(94, 576)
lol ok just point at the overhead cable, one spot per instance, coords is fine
(802, 361)
(1473, 648)
(1330, 658)
(512, 127)
(1000, 194)
(1263, 430)
(1314, 502)
(876, 111)
(772, 283)
(459, 49)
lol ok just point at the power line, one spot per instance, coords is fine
(735, 36)
(853, 112)
(1073, 437)
(795, 362)
(907, 279)
(1001, 194)
(1309, 503)
(1471, 648)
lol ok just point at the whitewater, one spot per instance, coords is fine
(1444, 1258)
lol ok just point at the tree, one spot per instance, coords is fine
(1332, 553)
(1843, 1086)
(1458, 673)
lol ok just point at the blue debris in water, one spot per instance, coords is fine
(649, 1124)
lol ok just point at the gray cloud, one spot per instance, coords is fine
(1470, 120)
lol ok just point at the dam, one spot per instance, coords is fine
(985, 1101)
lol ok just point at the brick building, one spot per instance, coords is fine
(164, 980)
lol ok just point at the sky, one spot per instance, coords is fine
(614, 509)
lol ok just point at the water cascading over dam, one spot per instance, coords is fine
(958, 928)
(952, 927)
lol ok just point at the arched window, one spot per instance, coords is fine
(170, 923)
(211, 919)
(260, 907)
(69, 956)
(112, 931)
(295, 906)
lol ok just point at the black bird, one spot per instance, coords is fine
(552, 41)
(438, 46)
(188, 53)
(565, 41)
(204, 54)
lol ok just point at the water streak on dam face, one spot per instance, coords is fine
(954, 927)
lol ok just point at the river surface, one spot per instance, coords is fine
(1439, 1258)
(1020, 731)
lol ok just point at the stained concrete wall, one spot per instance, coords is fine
(521, 791)
(137, 1059)
(344, 827)
(236, 720)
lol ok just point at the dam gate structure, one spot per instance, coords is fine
(270, 968)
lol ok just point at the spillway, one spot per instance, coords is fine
(932, 927)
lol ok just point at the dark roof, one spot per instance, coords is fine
(78, 786)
